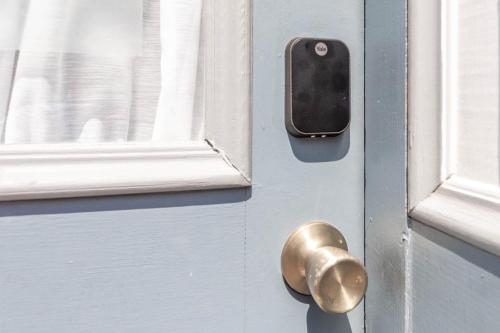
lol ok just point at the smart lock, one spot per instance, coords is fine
(318, 101)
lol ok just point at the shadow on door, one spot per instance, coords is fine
(319, 321)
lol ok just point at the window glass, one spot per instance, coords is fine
(92, 71)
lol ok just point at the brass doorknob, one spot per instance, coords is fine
(315, 262)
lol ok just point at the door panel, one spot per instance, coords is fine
(204, 261)
(455, 287)
(297, 180)
(127, 264)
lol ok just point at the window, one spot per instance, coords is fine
(454, 118)
(105, 97)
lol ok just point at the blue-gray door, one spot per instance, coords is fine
(200, 261)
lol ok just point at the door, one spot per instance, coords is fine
(201, 261)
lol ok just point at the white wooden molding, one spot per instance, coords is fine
(227, 56)
(437, 196)
(75, 171)
(222, 160)
(465, 209)
(424, 99)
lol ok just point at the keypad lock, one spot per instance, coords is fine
(318, 101)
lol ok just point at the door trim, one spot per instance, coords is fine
(465, 209)
(53, 171)
(462, 208)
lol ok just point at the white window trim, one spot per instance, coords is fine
(465, 209)
(460, 207)
(222, 160)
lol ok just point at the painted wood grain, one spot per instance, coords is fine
(455, 287)
(128, 264)
(385, 212)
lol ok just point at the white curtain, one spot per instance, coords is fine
(98, 75)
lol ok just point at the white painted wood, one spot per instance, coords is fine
(53, 171)
(465, 209)
(227, 76)
(449, 82)
(424, 99)
(477, 94)
(454, 118)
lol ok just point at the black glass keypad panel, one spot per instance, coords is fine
(320, 86)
